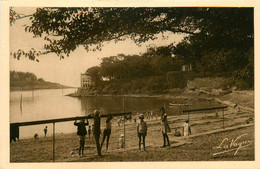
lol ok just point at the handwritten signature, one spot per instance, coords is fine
(229, 145)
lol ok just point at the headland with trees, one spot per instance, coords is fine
(29, 81)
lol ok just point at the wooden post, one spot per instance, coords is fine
(87, 106)
(223, 117)
(189, 113)
(209, 110)
(21, 104)
(33, 93)
(179, 110)
(53, 151)
(124, 120)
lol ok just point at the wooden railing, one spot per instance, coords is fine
(29, 123)
(53, 121)
(206, 109)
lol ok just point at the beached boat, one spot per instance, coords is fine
(179, 104)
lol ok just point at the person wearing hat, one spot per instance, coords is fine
(81, 132)
(164, 127)
(120, 143)
(141, 130)
(107, 131)
(96, 130)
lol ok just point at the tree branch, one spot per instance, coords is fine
(25, 16)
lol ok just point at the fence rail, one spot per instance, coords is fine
(205, 109)
(29, 123)
(209, 108)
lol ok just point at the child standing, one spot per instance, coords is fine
(186, 128)
(120, 143)
(141, 130)
(81, 132)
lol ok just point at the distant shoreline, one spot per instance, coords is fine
(13, 89)
(24, 81)
(242, 99)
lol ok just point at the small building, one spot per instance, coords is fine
(86, 81)
(186, 68)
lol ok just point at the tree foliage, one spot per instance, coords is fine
(29, 81)
(217, 40)
(64, 29)
(151, 63)
(22, 76)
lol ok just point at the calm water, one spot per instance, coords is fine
(52, 103)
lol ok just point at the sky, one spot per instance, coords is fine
(67, 71)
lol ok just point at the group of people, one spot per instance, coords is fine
(82, 132)
(165, 129)
(141, 131)
(147, 115)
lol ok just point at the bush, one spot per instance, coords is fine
(156, 85)
(244, 78)
(177, 79)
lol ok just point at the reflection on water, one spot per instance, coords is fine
(53, 103)
(120, 104)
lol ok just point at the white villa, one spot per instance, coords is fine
(86, 81)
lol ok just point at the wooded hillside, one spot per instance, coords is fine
(28, 81)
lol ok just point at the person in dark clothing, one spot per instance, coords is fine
(96, 130)
(107, 131)
(81, 132)
(141, 130)
(164, 127)
(45, 131)
(89, 131)
(14, 133)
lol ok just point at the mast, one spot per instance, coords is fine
(21, 104)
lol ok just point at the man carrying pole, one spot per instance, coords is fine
(96, 130)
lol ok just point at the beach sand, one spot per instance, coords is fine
(182, 148)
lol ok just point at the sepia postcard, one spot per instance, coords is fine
(129, 84)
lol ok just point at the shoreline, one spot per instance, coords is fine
(14, 89)
(180, 95)
(226, 98)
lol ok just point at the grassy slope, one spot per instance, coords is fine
(242, 98)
